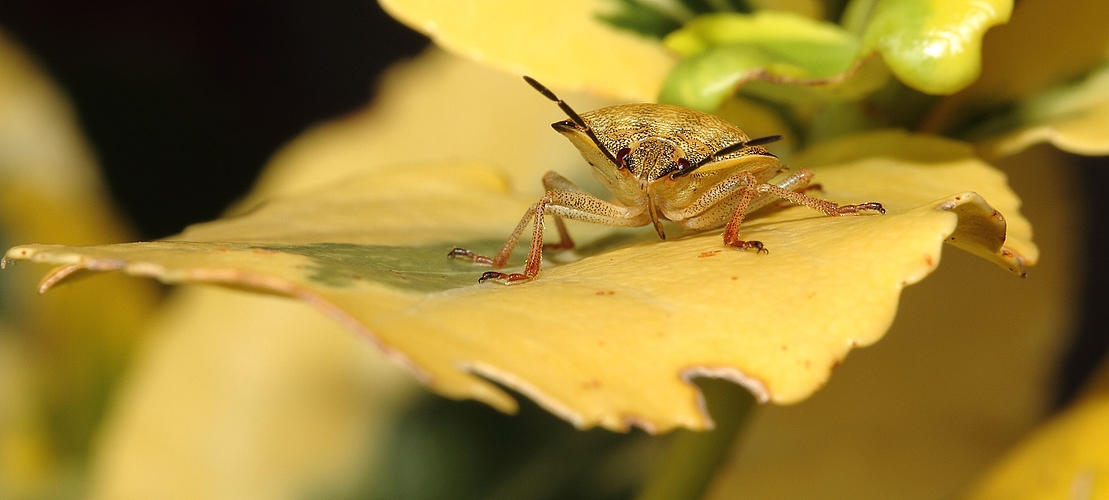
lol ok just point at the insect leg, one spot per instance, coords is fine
(501, 258)
(828, 207)
(577, 205)
(726, 202)
(731, 231)
(553, 181)
(729, 202)
(798, 181)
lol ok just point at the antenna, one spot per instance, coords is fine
(574, 117)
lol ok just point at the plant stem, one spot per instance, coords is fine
(690, 459)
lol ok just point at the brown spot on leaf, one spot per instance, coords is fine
(1006, 253)
(709, 254)
(785, 347)
(604, 292)
(808, 364)
(591, 384)
(997, 215)
(264, 250)
(928, 260)
(734, 278)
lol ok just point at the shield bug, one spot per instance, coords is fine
(661, 162)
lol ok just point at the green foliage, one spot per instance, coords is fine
(646, 20)
(653, 21)
(798, 59)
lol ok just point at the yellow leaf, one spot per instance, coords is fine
(1074, 118)
(562, 44)
(611, 338)
(239, 395)
(1068, 457)
(59, 354)
(959, 377)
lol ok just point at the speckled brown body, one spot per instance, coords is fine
(657, 137)
(662, 163)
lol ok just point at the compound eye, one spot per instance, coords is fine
(621, 157)
(680, 170)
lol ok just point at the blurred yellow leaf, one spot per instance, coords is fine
(240, 395)
(593, 342)
(1068, 457)
(562, 44)
(1074, 118)
(958, 379)
(61, 355)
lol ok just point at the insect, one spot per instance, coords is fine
(661, 162)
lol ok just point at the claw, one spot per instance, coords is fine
(480, 260)
(861, 207)
(871, 207)
(509, 279)
(747, 245)
(457, 252)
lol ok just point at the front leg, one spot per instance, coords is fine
(552, 181)
(561, 203)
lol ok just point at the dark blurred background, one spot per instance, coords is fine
(184, 101)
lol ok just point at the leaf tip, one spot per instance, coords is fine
(983, 231)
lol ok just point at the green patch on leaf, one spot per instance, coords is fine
(419, 269)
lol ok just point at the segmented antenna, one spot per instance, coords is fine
(574, 117)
